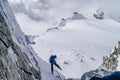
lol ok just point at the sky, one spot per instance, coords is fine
(67, 6)
(46, 13)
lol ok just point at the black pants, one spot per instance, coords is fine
(55, 65)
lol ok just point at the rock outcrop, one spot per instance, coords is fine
(98, 73)
(77, 16)
(99, 14)
(17, 60)
(111, 62)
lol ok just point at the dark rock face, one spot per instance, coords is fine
(15, 64)
(98, 73)
(99, 14)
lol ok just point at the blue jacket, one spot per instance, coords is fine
(52, 59)
(112, 76)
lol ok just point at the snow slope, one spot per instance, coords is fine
(80, 45)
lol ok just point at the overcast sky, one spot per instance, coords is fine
(46, 12)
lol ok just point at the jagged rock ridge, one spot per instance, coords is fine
(111, 62)
(63, 22)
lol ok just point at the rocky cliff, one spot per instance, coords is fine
(17, 59)
(110, 62)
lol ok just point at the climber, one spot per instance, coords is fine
(112, 76)
(52, 61)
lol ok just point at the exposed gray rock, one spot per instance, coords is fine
(30, 39)
(77, 16)
(110, 62)
(22, 68)
(99, 14)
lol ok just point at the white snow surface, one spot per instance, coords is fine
(81, 43)
(78, 44)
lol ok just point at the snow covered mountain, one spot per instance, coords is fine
(81, 40)
(63, 22)
(80, 44)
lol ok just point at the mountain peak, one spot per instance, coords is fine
(77, 16)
